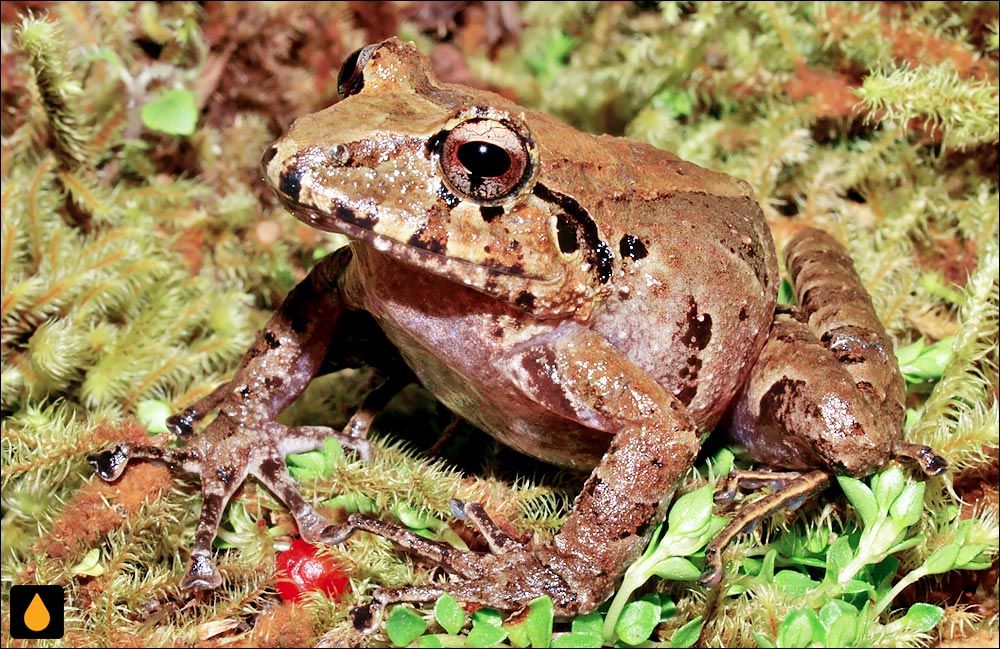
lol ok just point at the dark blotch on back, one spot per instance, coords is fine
(696, 336)
(632, 247)
(699, 330)
(525, 300)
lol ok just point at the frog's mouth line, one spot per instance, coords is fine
(358, 227)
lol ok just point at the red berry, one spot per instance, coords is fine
(300, 570)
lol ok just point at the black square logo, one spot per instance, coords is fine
(36, 612)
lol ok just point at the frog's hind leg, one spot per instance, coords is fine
(825, 396)
(838, 309)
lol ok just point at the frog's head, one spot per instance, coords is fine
(443, 177)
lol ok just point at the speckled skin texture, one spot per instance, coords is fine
(589, 300)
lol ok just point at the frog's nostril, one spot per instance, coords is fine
(268, 156)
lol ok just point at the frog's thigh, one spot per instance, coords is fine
(582, 377)
(838, 310)
(800, 409)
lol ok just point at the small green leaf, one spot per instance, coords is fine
(153, 414)
(861, 497)
(909, 353)
(857, 586)
(794, 582)
(942, 559)
(691, 513)
(762, 640)
(449, 614)
(90, 565)
(799, 629)
(174, 112)
(487, 617)
(333, 451)
(968, 553)
(722, 462)
(589, 623)
(677, 569)
(578, 639)
(887, 486)
(919, 362)
(838, 556)
(538, 622)
(351, 503)
(485, 632)
(431, 641)
(637, 621)
(309, 465)
(404, 625)
(922, 617)
(414, 518)
(687, 634)
(818, 540)
(833, 610)
(842, 631)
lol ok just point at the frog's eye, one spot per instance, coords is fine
(485, 160)
(350, 81)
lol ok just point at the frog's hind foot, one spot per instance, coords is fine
(924, 456)
(506, 578)
(791, 489)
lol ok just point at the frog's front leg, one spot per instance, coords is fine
(825, 396)
(244, 438)
(580, 376)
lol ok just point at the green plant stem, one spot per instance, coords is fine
(887, 599)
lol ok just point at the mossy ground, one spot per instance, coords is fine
(137, 264)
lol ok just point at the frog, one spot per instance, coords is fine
(589, 300)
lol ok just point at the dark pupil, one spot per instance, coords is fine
(484, 159)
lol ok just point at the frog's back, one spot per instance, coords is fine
(695, 286)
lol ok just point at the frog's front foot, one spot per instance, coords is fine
(223, 456)
(506, 578)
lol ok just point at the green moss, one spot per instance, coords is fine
(136, 265)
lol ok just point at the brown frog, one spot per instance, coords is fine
(588, 300)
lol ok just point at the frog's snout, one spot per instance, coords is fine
(284, 176)
(284, 173)
(270, 174)
(267, 157)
